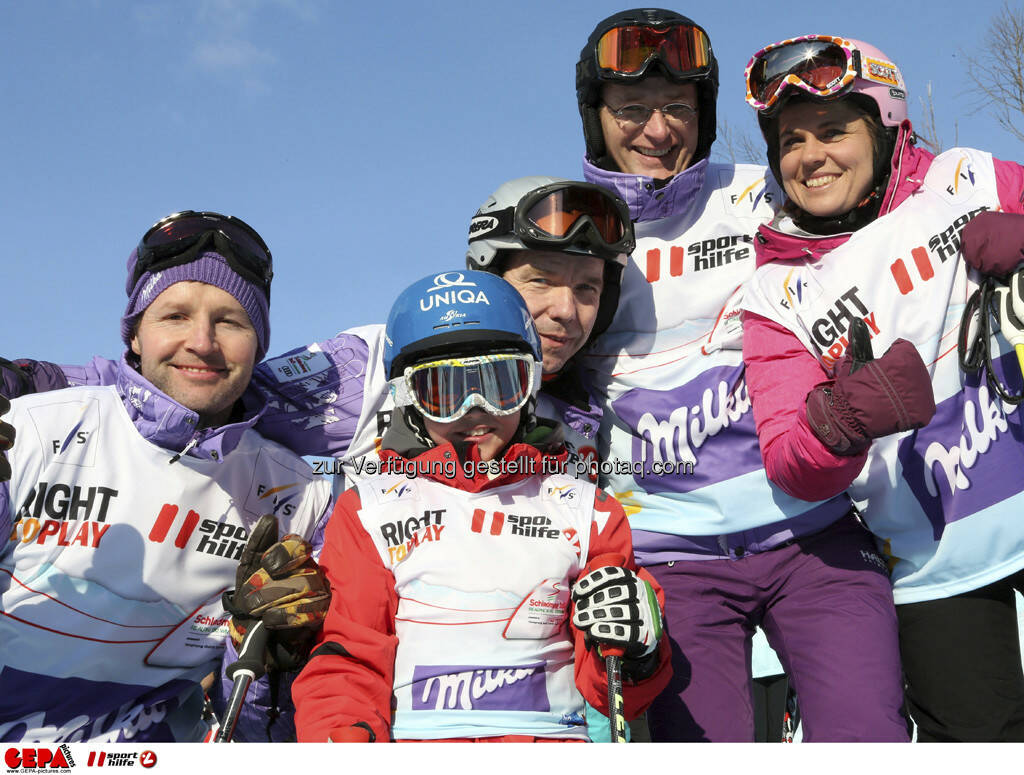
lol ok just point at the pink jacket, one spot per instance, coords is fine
(781, 371)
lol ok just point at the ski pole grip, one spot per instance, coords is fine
(250, 653)
(609, 560)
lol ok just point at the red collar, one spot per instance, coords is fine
(471, 474)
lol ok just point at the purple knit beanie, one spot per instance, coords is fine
(210, 268)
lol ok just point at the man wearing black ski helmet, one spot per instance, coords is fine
(669, 376)
(628, 48)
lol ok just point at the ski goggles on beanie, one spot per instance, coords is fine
(683, 50)
(444, 390)
(820, 65)
(560, 215)
(182, 237)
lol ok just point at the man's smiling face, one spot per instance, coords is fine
(663, 146)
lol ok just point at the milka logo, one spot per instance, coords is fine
(138, 396)
(148, 289)
(458, 691)
(124, 723)
(687, 428)
(450, 315)
(981, 433)
(450, 288)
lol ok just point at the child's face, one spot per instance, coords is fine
(491, 434)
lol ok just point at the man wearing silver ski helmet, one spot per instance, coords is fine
(563, 245)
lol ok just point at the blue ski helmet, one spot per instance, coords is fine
(457, 313)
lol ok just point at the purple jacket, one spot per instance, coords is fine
(647, 201)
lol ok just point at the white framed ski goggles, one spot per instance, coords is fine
(820, 65)
(444, 390)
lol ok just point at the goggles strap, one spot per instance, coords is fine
(504, 221)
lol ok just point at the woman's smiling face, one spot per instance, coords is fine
(826, 156)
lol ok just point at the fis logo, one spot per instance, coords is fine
(793, 290)
(77, 436)
(281, 503)
(39, 758)
(566, 492)
(753, 195)
(71, 447)
(398, 489)
(963, 172)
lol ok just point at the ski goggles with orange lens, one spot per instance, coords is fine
(171, 241)
(560, 215)
(820, 65)
(444, 390)
(683, 50)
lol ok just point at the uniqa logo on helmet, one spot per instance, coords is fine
(451, 288)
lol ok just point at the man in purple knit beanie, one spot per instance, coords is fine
(172, 498)
(184, 331)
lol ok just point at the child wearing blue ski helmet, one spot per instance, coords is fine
(476, 600)
(463, 358)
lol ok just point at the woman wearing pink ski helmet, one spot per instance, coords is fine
(854, 319)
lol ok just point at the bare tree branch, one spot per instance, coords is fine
(737, 146)
(997, 69)
(929, 131)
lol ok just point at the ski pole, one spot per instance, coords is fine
(613, 664)
(248, 668)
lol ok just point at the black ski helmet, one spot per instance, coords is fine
(589, 81)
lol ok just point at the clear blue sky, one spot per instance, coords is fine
(358, 138)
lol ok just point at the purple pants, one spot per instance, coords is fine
(825, 603)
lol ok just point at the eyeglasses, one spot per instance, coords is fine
(169, 242)
(561, 215)
(639, 115)
(683, 50)
(446, 389)
(820, 65)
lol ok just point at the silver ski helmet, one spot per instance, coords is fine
(598, 227)
(692, 60)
